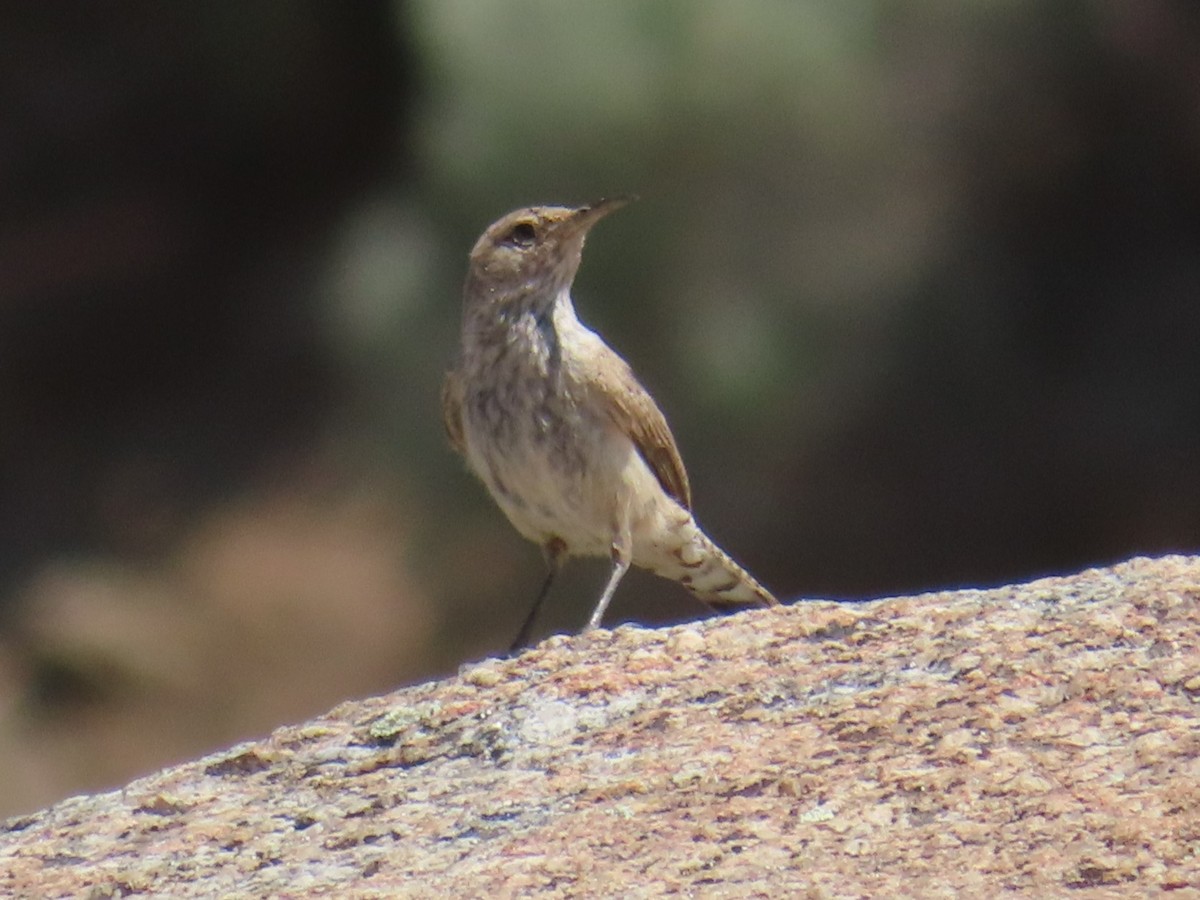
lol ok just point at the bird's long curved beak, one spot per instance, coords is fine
(587, 216)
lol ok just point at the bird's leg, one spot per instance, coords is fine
(622, 556)
(554, 551)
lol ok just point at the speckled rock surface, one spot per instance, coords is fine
(1042, 739)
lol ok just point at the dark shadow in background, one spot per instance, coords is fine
(167, 172)
(1044, 413)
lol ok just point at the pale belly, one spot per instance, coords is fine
(586, 485)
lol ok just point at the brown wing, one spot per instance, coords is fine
(635, 412)
(452, 400)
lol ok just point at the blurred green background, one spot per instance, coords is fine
(915, 283)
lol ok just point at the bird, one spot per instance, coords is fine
(567, 441)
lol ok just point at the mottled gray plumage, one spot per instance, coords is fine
(569, 444)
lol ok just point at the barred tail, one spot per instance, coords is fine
(708, 571)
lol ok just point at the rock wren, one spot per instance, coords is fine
(569, 444)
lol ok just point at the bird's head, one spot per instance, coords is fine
(532, 254)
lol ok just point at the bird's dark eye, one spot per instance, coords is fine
(522, 234)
